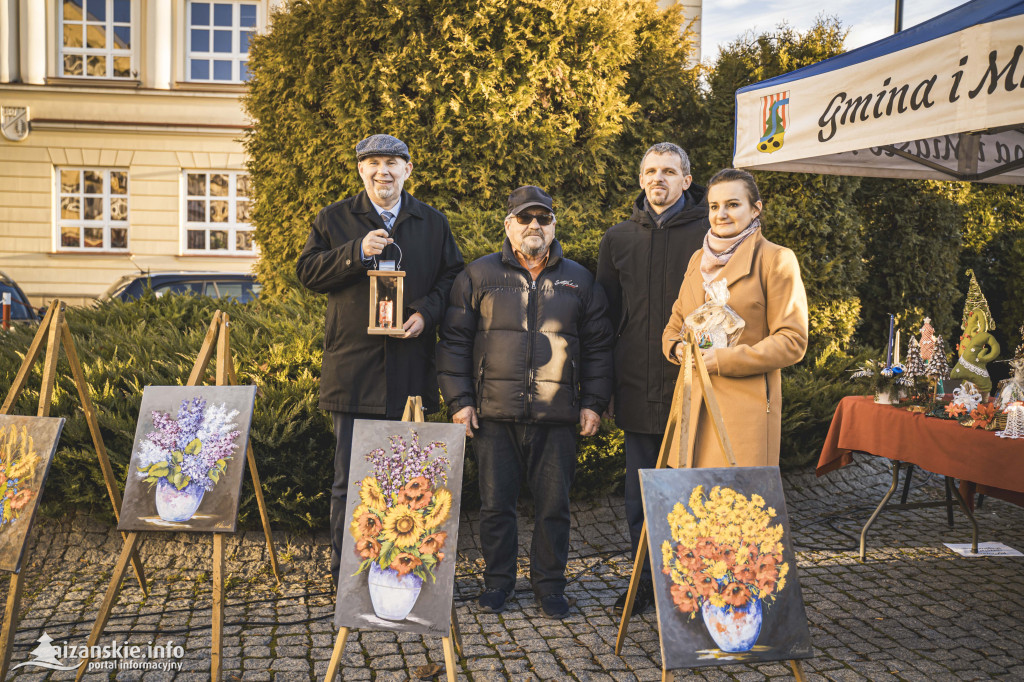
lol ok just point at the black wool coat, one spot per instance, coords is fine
(524, 350)
(369, 374)
(641, 267)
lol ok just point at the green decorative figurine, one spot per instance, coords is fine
(977, 347)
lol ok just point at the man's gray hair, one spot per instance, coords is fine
(668, 148)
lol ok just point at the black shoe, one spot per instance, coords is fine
(494, 600)
(643, 601)
(555, 606)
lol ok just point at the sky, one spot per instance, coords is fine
(867, 20)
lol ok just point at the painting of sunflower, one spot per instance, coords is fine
(27, 446)
(402, 524)
(724, 569)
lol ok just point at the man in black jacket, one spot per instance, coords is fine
(525, 353)
(365, 376)
(641, 264)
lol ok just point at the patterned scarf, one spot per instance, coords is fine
(719, 250)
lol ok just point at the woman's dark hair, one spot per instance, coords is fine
(731, 174)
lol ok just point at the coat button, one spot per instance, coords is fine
(348, 261)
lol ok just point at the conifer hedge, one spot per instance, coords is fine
(277, 345)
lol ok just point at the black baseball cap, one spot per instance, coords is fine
(528, 196)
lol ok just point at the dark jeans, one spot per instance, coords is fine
(545, 454)
(641, 453)
(339, 490)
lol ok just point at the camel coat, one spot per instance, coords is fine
(765, 289)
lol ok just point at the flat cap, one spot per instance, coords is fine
(526, 196)
(381, 145)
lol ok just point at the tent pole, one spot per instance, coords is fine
(899, 16)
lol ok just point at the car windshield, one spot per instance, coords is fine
(19, 311)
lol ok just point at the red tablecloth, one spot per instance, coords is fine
(995, 464)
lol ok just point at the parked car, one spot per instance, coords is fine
(21, 309)
(237, 285)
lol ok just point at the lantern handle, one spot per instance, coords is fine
(398, 265)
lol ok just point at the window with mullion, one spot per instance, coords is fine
(218, 39)
(217, 213)
(96, 39)
(92, 210)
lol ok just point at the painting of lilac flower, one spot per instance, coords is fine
(188, 458)
(398, 558)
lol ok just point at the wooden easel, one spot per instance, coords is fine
(453, 643)
(216, 338)
(678, 427)
(52, 331)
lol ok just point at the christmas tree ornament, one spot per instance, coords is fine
(1011, 390)
(914, 366)
(975, 301)
(927, 339)
(938, 368)
(977, 349)
(1014, 423)
(977, 346)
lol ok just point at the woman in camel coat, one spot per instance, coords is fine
(765, 289)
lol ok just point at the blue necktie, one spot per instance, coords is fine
(387, 218)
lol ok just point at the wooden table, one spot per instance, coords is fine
(981, 460)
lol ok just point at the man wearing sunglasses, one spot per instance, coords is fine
(525, 354)
(641, 264)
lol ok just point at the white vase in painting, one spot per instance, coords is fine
(176, 505)
(393, 596)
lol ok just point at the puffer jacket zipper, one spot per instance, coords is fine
(531, 311)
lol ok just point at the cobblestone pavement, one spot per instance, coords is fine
(914, 611)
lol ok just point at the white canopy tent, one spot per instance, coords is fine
(943, 100)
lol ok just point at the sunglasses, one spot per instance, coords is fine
(542, 218)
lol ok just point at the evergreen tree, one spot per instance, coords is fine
(912, 249)
(815, 215)
(488, 94)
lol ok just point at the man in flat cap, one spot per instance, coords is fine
(366, 376)
(525, 354)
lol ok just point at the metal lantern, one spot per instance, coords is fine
(386, 304)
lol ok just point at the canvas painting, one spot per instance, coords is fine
(724, 572)
(398, 558)
(27, 446)
(188, 459)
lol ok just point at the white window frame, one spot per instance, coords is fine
(108, 53)
(105, 223)
(232, 226)
(236, 56)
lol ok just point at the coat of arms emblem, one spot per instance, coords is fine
(14, 123)
(774, 119)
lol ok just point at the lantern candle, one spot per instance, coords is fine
(896, 351)
(888, 356)
(386, 317)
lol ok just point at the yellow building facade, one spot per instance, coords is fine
(121, 148)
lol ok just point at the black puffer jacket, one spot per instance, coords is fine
(641, 266)
(524, 350)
